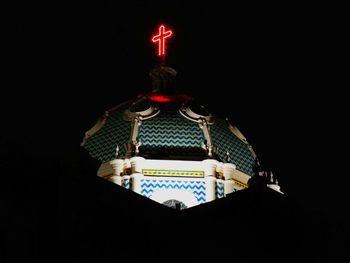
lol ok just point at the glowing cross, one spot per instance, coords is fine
(160, 38)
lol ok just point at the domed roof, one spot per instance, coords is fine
(163, 125)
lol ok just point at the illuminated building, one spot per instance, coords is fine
(167, 147)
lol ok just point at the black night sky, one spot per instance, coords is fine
(276, 70)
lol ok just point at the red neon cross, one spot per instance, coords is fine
(160, 38)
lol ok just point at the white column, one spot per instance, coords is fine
(210, 167)
(228, 170)
(135, 179)
(118, 168)
(117, 179)
(229, 186)
(137, 164)
(220, 169)
(127, 167)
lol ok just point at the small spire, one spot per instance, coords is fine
(162, 78)
(228, 158)
(117, 152)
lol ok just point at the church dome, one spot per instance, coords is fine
(168, 147)
(168, 125)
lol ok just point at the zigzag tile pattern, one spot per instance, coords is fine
(116, 131)
(226, 141)
(149, 186)
(220, 190)
(126, 182)
(170, 130)
(170, 133)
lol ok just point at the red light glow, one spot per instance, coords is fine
(160, 98)
(164, 98)
(160, 38)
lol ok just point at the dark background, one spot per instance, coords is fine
(276, 70)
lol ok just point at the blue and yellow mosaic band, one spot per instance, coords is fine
(172, 173)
